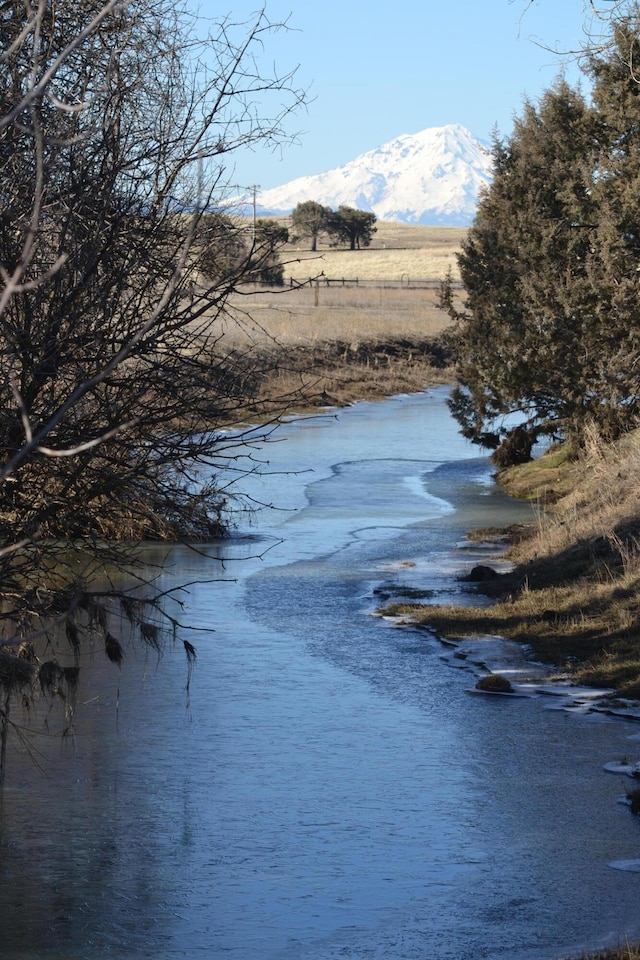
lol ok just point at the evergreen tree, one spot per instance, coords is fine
(229, 249)
(265, 264)
(309, 219)
(355, 227)
(616, 243)
(524, 267)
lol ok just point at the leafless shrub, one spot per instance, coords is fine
(116, 122)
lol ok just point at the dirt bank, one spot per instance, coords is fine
(338, 372)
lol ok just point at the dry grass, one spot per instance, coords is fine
(323, 343)
(591, 499)
(335, 374)
(390, 301)
(574, 596)
(310, 315)
(398, 252)
(398, 265)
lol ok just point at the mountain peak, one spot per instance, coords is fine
(430, 177)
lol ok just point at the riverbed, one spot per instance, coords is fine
(327, 788)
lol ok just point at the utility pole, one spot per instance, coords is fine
(254, 189)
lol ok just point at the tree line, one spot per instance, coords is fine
(232, 248)
(549, 339)
(344, 225)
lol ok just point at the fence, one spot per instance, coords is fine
(406, 282)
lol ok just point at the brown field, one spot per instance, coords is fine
(329, 342)
(310, 314)
(396, 295)
(399, 252)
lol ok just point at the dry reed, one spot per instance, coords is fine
(601, 502)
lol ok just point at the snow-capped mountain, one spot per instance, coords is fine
(430, 177)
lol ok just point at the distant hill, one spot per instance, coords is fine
(432, 177)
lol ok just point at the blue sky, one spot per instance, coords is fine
(375, 71)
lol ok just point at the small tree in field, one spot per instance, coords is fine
(115, 122)
(310, 219)
(269, 239)
(355, 227)
(231, 249)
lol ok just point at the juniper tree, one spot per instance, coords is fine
(269, 239)
(616, 242)
(352, 226)
(524, 267)
(551, 263)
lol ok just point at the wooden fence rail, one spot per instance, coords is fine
(406, 283)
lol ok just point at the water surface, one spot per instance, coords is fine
(331, 790)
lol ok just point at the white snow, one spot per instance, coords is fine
(627, 769)
(431, 177)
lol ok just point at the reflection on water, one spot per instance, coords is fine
(332, 791)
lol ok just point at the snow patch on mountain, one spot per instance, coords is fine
(431, 177)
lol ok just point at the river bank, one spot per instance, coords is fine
(571, 599)
(568, 597)
(573, 594)
(572, 590)
(410, 670)
(304, 377)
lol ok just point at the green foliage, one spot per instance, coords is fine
(549, 337)
(344, 225)
(310, 219)
(355, 227)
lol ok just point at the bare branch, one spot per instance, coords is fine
(117, 270)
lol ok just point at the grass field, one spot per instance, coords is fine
(308, 315)
(390, 301)
(399, 252)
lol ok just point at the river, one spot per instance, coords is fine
(328, 789)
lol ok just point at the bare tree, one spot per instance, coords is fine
(602, 9)
(117, 122)
(599, 16)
